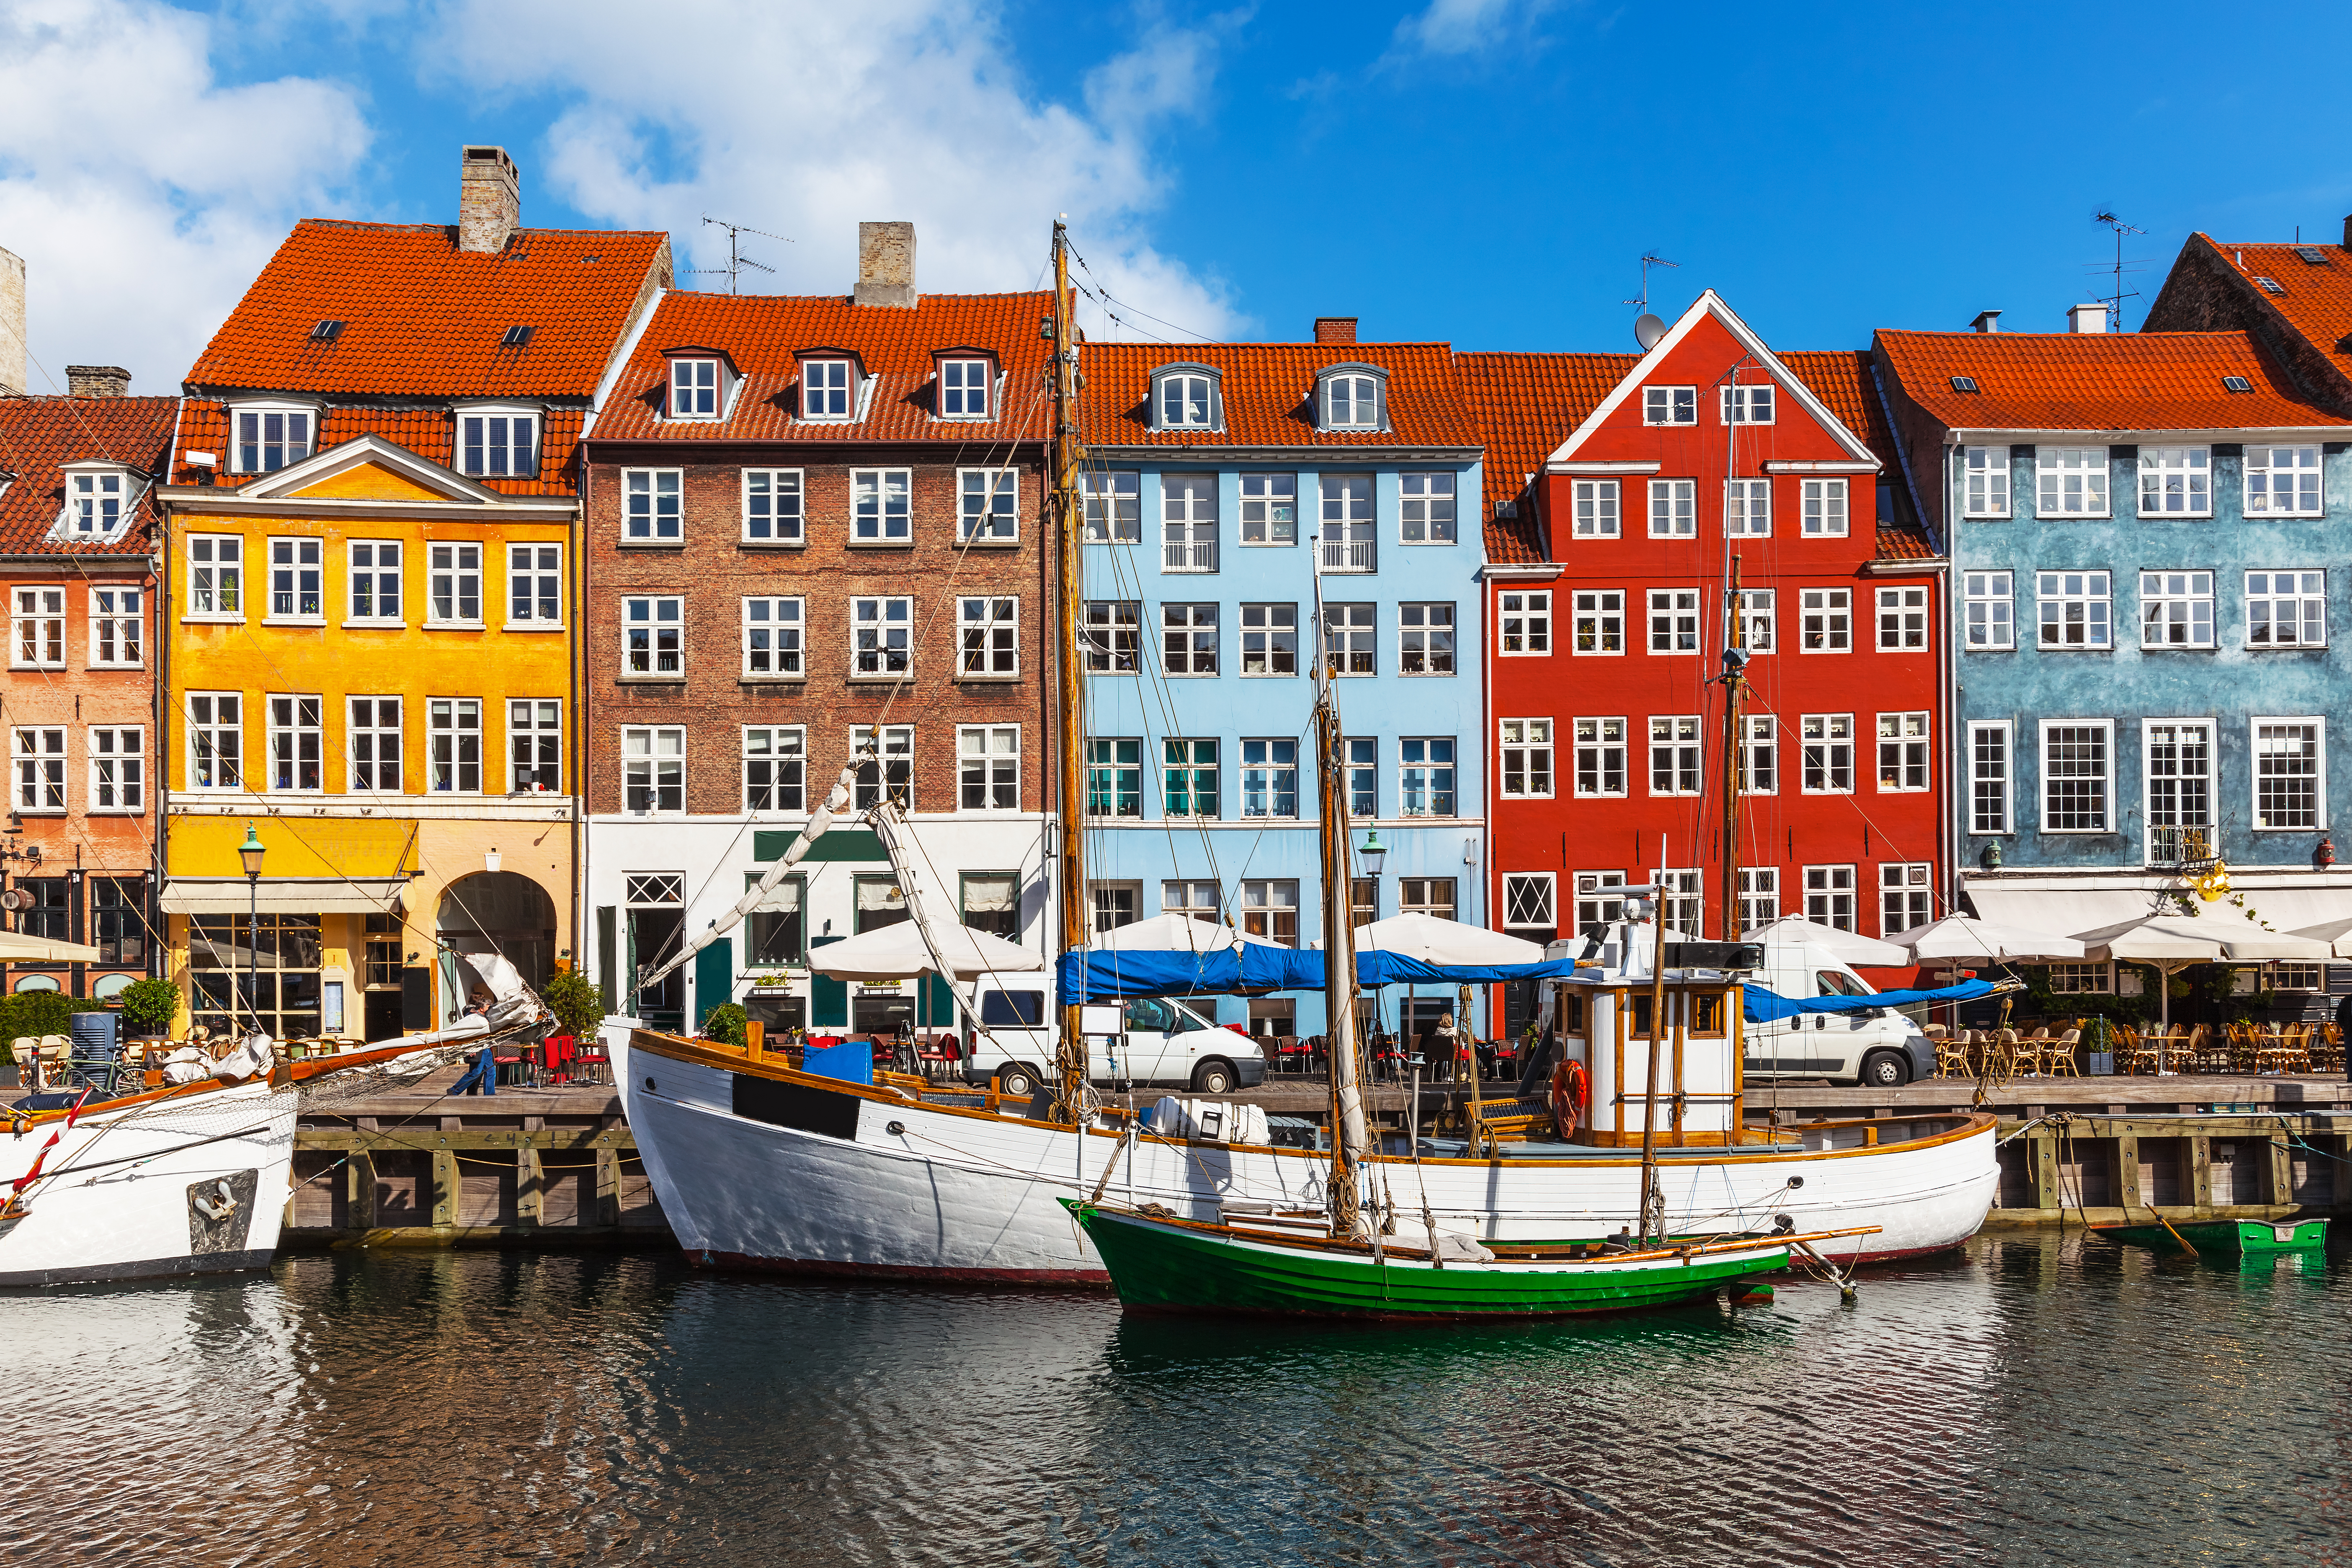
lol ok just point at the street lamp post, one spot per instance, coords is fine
(251, 852)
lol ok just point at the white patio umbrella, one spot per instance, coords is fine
(2337, 934)
(17, 948)
(2168, 944)
(1175, 933)
(896, 952)
(1434, 940)
(1964, 937)
(1849, 947)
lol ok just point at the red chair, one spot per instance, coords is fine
(589, 1066)
(938, 1055)
(555, 1059)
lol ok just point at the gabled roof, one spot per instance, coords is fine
(423, 319)
(1268, 391)
(763, 334)
(2096, 381)
(1841, 378)
(1525, 405)
(430, 433)
(2312, 300)
(39, 435)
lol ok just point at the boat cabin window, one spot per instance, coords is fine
(1151, 1016)
(1012, 1009)
(1707, 1013)
(1834, 982)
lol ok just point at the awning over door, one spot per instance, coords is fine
(2067, 911)
(284, 895)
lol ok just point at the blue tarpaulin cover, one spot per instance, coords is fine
(1109, 976)
(1759, 1006)
(852, 1061)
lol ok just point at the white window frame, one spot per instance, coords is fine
(652, 620)
(2093, 592)
(1352, 639)
(1759, 613)
(775, 507)
(376, 729)
(118, 626)
(980, 749)
(458, 563)
(1989, 605)
(1760, 754)
(1828, 509)
(1678, 741)
(214, 577)
(2257, 754)
(1535, 893)
(995, 519)
(653, 506)
(287, 725)
(2176, 481)
(1350, 400)
(38, 774)
(1673, 509)
(1523, 620)
(1602, 611)
(538, 562)
(1261, 903)
(827, 380)
(287, 568)
(292, 449)
(1601, 744)
(1198, 764)
(1907, 743)
(649, 755)
(100, 500)
(2071, 482)
(1824, 886)
(373, 573)
(1188, 522)
(1747, 403)
(987, 637)
(37, 628)
(872, 619)
(118, 770)
(783, 750)
(782, 621)
(1428, 767)
(1902, 619)
(1420, 625)
(1600, 900)
(2107, 728)
(966, 388)
(1825, 615)
(1675, 614)
(1747, 509)
(1112, 502)
(2308, 597)
(697, 389)
(534, 724)
(445, 745)
(1110, 637)
(1176, 392)
(1530, 742)
(2153, 732)
(881, 507)
(2301, 478)
(1759, 897)
(1669, 405)
(1914, 883)
(1271, 766)
(2005, 782)
(1829, 737)
(1426, 506)
(477, 424)
(205, 722)
(1984, 482)
(2173, 601)
(1269, 503)
(891, 772)
(1599, 506)
(1348, 533)
(1266, 635)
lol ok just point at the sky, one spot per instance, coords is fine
(1486, 172)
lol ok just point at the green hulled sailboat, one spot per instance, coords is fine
(2222, 1236)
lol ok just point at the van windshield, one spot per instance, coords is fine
(1834, 982)
(1012, 1009)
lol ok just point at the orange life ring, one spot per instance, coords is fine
(1571, 1092)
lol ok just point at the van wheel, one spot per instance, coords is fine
(1214, 1077)
(1016, 1082)
(1884, 1069)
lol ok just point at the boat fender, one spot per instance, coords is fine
(1571, 1092)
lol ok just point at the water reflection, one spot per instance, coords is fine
(2043, 1398)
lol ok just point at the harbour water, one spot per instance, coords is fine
(2036, 1399)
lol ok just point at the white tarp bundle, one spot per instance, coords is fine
(899, 952)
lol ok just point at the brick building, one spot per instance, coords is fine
(810, 519)
(2296, 300)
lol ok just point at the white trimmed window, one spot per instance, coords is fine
(1269, 639)
(988, 636)
(1600, 621)
(1674, 755)
(1828, 896)
(1270, 778)
(535, 586)
(1825, 508)
(1113, 502)
(1989, 778)
(825, 390)
(1673, 620)
(1351, 403)
(1599, 758)
(1528, 902)
(1269, 909)
(1759, 756)
(1984, 482)
(2289, 773)
(2283, 481)
(1670, 405)
(1269, 509)
(1348, 633)
(2081, 979)
(297, 742)
(2178, 775)
(95, 499)
(2176, 481)
(1597, 506)
(40, 758)
(1424, 638)
(534, 745)
(1527, 758)
(498, 444)
(1746, 405)
(215, 739)
(453, 736)
(1361, 775)
(653, 633)
(1902, 619)
(1902, 753)
(1527, 622)
(696, 389)
(1425, 775)
(2287, 609)
(964, 388)
(1600, 900)
(1827, 619)
(2077, 775)
(1188, 779)
(1759, 896)
(653, 771)
(118, 769)
(1188, 520)
(118, 628)
(772, 638)
(372, 745)
(1907, 897)
(881, 635)
(1188, 639)
(1673, 509)
(2077, 611)
(773, 507)
(2176, 609)
(1425, 508)
(216, 576)
(1759, 619)
(269, 440)
(375, 580)
(37, 628)
(1185, 403)
(1992, 609)
(1349, 512)
(1112, 628)
(453, 585)
(878, 504)
(2070, 481)
(1825, 766)
(988, 506)
(298, 576)
(1747, 509)
(775, 768)
(988, 767)
(649, 506)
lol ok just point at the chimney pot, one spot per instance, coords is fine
(12, 322)
(1986, 322)
(2085, 319)
(98, 381)
(885, 265)
(1335, 329)
(489, 199)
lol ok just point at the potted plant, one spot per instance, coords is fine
(148, 1006)
(577, 1002)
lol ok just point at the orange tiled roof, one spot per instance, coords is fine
(1525, 405)
(2096, 380)
(430, 433)
(1269, 391)
(1841, 378)
(39, 433)
(2315, 300)
(761, 334)
(422, 319)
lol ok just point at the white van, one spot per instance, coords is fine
(1163, 1042)
(1878, 1047)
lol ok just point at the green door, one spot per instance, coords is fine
(828, 999)
(714, 977)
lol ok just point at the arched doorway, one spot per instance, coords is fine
(502, 912)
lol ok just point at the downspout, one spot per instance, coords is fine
(580, 749)
(159, 799)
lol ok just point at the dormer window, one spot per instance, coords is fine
(268, 439)
(1186, 398)
(98, 500)
(498, 443)
(1352, 397)
(696, 390)
(965, 387)
(826, 389)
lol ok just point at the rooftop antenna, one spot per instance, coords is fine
(1647, 328)
(735, 259)
(2114, 301)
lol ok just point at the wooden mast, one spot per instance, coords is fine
(1068, 525)
(1350, 1136)
(1735, 660)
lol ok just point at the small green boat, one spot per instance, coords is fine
(2227, 1235)
(1163, 1263)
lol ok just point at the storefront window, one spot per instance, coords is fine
(117, 912)
(773, 931)
(280, 988)
(879, 903)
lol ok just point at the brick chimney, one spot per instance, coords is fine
(1335, 329)
(2087, 320)
(489, 199)
(885, 265)
(2347, 231)
(12, 322)
(98, 381)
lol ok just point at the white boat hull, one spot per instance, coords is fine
(824, 1185)
(119, 1196)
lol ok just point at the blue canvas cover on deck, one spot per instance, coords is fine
(1759, 1006)
(1377, 966)
(852, 1061)
(1108, 976)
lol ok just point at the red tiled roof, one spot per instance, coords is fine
(2316, 301)
(2096, 380)
(1526, 405)
(762, 335)
(430, 433)
(421, 318)
(1841, 378)
(39, 433)
(1270, 392)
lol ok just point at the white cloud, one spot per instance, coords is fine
(803, 117)
(1464, 27)
(143, 194)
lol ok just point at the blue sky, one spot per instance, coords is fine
(1482, 171)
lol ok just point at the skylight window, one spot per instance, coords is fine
(326, 331)
(2236, 383)
(1964, 384)
(2270, 285)
(2312, 255)
(517, 337)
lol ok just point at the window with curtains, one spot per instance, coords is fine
(880, 902)
(1269, 909)
(988, 764)
(992, 903)
(774, 935)
(1426, 896)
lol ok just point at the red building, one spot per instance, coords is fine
(1622, 488)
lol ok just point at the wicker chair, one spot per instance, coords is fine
(2057, 1055)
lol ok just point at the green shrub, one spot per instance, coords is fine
(149, 1005)
(38, 1012)
(725, 1023)
(577, 1002)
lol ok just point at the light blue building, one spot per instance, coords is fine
(1216, 476)
(2151, 645)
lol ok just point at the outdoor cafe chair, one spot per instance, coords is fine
(1951, 1056)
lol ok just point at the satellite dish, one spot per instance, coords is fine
(1647, 330)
